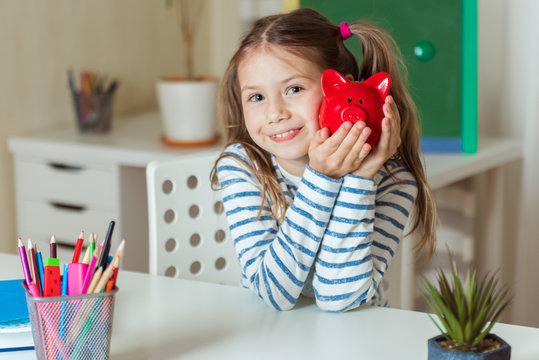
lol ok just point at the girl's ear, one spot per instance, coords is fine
(381, 82)
(330, 81)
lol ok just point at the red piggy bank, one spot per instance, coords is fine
(354, 101)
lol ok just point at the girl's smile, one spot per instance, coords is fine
(285, 136)
(281, 97)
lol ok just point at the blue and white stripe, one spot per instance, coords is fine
(342, 232)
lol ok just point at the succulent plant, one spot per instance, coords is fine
(466, 311)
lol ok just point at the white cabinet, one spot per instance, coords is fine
(66, 182)
(61, 198)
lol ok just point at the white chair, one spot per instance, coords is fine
(188, 232)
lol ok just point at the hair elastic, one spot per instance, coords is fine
(345, 31)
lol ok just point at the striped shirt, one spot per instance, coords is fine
(335, 242)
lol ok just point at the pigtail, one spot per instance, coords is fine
(380, 53)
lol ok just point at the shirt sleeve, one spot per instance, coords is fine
(275, 258)
(365, 228)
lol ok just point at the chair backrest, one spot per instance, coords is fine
(188, 232)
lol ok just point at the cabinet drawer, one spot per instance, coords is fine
(64, 223)
(73, 184)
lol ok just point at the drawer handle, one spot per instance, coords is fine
(63, 206)
(65, 167)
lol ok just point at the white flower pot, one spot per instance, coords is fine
(188, 110)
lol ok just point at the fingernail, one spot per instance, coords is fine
(360, 124)
(366, 131)
(348, 125)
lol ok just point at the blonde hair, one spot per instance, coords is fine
(308, 33)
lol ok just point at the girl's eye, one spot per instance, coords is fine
(294, 90)
(256, 98)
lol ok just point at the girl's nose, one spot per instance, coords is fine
(278, 111)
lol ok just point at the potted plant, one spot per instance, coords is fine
(188, 103)
(466, 312)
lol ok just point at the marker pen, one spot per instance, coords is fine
(76, 273)
(102, 263)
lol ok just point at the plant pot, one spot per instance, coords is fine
(436, 352)
(188, 110)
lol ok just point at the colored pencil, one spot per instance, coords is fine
(111, 283)
(40, 268)
(24, 261)
(91, 244)
(78, 247)
(33, 265)
(89, 274)
(106, 276)
(120, 251)
(86, 257)
(95, 279)
(53, 247)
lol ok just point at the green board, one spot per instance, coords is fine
(438, 41)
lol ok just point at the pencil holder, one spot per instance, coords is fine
(94, 112)
(72, 327)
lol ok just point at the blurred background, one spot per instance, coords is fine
(138, 41)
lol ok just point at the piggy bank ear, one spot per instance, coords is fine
(330, 81)
(381, 82)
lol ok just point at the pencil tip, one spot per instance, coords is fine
(53, 239)
(30, 245)
(20, 242)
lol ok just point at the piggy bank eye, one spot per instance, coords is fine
(349, 100)
(361, 101)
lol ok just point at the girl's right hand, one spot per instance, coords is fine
(340, 153)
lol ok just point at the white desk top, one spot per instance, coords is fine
(163, 318)
(135, 141)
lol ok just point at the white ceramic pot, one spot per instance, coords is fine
(188, 110)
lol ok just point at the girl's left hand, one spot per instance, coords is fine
(388, 144)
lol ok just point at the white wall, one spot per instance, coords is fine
(135, 41)
(520, 117)
(509, 105)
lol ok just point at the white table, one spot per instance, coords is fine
(164, 318)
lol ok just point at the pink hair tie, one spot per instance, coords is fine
(345, 31)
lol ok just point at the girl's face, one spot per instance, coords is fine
(281, 97)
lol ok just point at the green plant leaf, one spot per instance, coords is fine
(435, 301)
(466, 307)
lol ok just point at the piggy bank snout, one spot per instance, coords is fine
(354, 114)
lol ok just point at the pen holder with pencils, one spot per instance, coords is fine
(93, 111)
(72, 327)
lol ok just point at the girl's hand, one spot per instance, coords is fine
(341, 153)
(388, 144)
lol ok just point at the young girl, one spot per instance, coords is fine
(311, 213)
